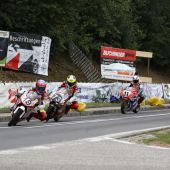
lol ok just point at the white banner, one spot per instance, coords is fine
(151, 90)
(94, 92)
(87, 92)
(28, 53)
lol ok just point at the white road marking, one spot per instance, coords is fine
(157, 147)
(5, 127)
(98, 139)
(91, 121)
(9, 152)
(95, 121)
(122, 141)
(98, 119)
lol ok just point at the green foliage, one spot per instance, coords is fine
(154, 18)
(161, 136)
(133, 24)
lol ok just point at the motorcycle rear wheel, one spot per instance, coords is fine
(57, 118)
(137, 109)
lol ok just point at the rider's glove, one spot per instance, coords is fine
(18, 95)
(68, 102)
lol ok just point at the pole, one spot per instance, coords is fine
(148, 65)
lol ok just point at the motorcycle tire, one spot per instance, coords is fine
(57, 118)
(124, 106)
(137, 109)
(60, 113)
(15, 118)
(49, 112)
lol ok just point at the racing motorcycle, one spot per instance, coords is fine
(23, 107)
(57, 105)
(129, 100)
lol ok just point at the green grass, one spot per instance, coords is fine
(162, 136)
(93, 104)
(4, 110)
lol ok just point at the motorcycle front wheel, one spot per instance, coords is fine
(49, 112)
(124, 106)
(59, 114)
(15, 118)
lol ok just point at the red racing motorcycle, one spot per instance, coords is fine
(129, 100)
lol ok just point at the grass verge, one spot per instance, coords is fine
(93, 104)
(160, 138)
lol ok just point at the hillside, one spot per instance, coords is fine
(59, 69)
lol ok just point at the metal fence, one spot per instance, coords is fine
(81, 60)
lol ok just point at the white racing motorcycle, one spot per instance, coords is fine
(23, 107)
(58, 104)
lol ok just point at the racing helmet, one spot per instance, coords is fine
(71, 80)
(135, 79)
(40, 86)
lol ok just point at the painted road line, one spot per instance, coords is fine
(95, 121)
(89, 121)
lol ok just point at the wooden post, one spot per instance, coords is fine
(148, 65)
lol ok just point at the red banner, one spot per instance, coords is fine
(118, 53)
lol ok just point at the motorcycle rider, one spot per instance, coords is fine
(136, 84)
(71, 86)
(37, 92)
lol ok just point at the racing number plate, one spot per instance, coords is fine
(126, 93)
(28, 102)
(57, 98)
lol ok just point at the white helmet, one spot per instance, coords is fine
(135, 79)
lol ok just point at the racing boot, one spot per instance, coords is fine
(41, 115)
(67, 109)
(140, 100)
(29, 117)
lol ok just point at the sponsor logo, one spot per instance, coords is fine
(113, 53)
(24, 39)
(82, 96)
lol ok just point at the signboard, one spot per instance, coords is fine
(28, 53)
(4, 35)
(166, 91)
(117, 63)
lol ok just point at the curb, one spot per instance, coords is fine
(98, 111)
(137, 132)
(109, 111)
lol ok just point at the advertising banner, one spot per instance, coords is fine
(117, 63)
(87, 92)
(166, 91)
(28, 53)
(4, 36)
(151, 90)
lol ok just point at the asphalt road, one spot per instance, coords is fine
(73, 143)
